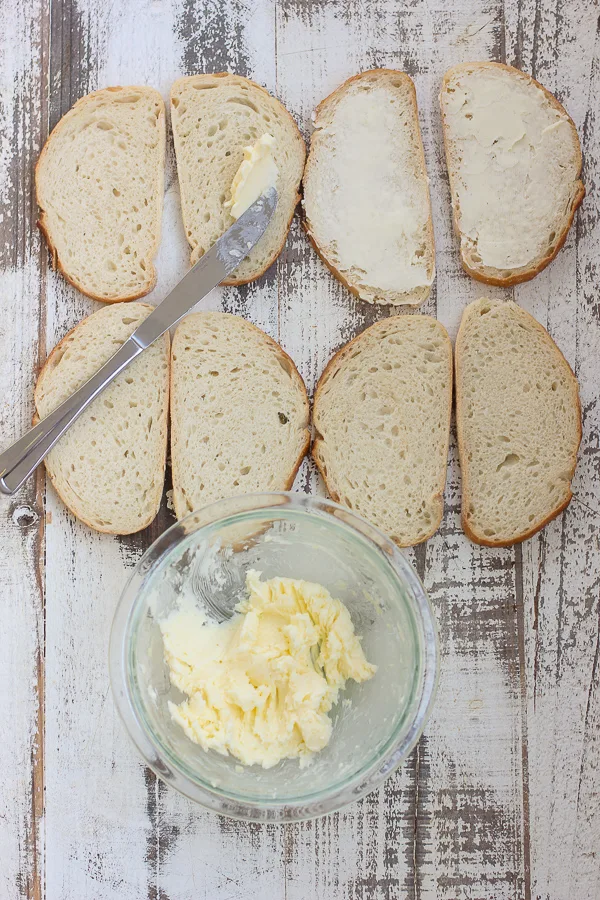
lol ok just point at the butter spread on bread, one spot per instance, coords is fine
(256, 174)
(514, 162)
(366, 191)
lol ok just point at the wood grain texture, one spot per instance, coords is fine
(23, 50)
(561, 567)
(501, 799)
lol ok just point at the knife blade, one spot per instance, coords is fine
(23, 457)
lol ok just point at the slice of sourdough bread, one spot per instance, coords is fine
(109, 468)
(514, 162)
(366, 191)
(239, 412)
(99, 183)
(518, 420)
(214, 117)
(382, 422)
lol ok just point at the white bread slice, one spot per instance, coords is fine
(518, 420)
(366, 191)
(514, 162)
(239, 412)
(109, 468)
(213, 118)
(382, 423)
(99, 183)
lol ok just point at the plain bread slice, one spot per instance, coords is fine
(109, 467)
(518, 420)
(99, 183)
(239, 412)
(382, 422)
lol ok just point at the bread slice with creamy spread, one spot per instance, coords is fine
(514, 162)
(239, 412)
(214, 117)
(366, 191)
(518, 419)
(382, 423)
(99, 183)
(109, 467)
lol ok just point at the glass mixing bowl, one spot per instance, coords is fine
(206, 556)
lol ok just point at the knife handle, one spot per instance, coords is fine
(21, 458)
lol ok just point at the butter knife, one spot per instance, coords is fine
(21, 459)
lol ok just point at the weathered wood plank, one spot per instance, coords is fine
(23, 114)
(105, 836)
(561, 566)
(433, 831)
(124, 834)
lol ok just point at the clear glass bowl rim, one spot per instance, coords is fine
(268, 810)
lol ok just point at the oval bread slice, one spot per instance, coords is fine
(239, 412)
(99, 183)
(382, 424)
(366, 191)
(109, 467)
(514, 162)
(518, 420)
(213, 118)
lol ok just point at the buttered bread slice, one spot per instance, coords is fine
(382, 424)
(514, 162)
(239, 412)
(518, 420)
(366, 192)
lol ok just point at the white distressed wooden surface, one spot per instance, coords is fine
(502, 797)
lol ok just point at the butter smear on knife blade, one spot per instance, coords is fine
(257, 173)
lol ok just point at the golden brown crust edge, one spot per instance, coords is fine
(236, 282)
(36, 419)
(337, 359)
(527, 273)
(306, 224)
(298, 377)
(41, 223)
(465, 493)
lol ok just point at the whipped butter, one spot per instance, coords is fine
(514, 161)
(260, 685)
(256, 174)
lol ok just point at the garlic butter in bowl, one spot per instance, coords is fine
(273, 657)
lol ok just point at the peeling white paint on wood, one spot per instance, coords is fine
(502, 797)
(21, 517)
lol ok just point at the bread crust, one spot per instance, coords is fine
(42, 222)
(527, 273)
(462, 453)
(51, 356)
(333, 98)
(236, 282)
(181, 513)
(337, 360)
